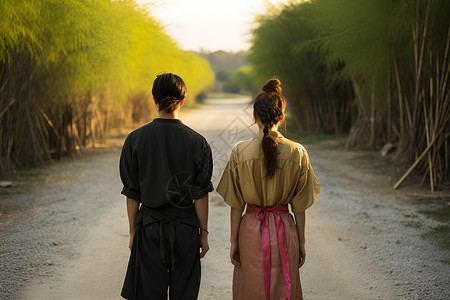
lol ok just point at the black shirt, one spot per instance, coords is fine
(166, 163)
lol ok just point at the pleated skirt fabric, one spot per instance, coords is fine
(248, 278)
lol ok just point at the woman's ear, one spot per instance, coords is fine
(181, 102)
(255, 117)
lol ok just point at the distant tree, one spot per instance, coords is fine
(224, 64)
(226, 61)
(246, 80)
(223, 75)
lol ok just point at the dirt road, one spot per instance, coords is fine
(64, 232)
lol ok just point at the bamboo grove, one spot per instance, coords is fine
(72, 69)
(375, 69)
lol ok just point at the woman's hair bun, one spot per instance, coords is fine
(272, 86)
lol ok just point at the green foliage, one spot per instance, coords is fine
(90, 44)
(286, 44)
(366, 34)
(77, 67)
(441, 215)
(379, 68)
(440, 233)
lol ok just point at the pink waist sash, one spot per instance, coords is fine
(262, 214)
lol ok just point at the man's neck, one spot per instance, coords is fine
(168, 115)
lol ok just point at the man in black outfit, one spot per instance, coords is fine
(166, 170)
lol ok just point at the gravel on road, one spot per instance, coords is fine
(64, 235)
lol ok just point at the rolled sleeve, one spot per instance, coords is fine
(307, 188)
(306, 192)
(203, 167)
(229, 186)
(129, 172)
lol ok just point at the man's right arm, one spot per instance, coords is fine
(132, 208)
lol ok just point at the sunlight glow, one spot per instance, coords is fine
(208, 25)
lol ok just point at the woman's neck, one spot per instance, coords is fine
(261, 126)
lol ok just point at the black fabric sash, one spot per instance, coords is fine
(170, 217)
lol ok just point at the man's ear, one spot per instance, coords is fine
(181, 102)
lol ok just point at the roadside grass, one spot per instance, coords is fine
(412, 224)
(441, 233)
(441, 215)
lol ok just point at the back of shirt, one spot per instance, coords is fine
(166, 163)
(244, 179)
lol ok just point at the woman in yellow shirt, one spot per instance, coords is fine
(264, 175)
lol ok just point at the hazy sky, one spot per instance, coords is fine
(208, 24)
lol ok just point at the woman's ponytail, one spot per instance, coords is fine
(269, 146)
(269, 108)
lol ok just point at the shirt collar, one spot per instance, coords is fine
(272, 133)
(164, 120)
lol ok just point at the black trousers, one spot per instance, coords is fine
(158, 276)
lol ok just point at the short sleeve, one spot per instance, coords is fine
(307, 188)
(128, 167)
(203, 167)
(229, 186)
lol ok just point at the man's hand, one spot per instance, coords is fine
(204, 245)
(130, 244)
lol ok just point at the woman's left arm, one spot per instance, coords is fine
(235, 220)
(300, 219)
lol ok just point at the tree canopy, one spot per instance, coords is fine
(71, 69)
(377, 69)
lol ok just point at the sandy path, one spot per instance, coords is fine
(73, 245)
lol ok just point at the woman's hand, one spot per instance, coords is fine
(302, 255)
(234, 254)
(204, 245)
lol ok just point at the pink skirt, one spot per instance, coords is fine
(248, 278)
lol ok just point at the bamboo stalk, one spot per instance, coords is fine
(444, 62)
(389, 111)
(36, 154)
(418, 62)
(400, 100)
(433, 140)
(408, 113)
(7, 107)
(430, 163)
(415, 163)
(43, 141)
(372, 115)
(49, 122)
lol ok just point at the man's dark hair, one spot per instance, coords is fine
(168, 90)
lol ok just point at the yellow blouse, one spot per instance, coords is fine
(294, 180)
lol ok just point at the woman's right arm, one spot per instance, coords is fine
(300, 220)
(235, 218)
